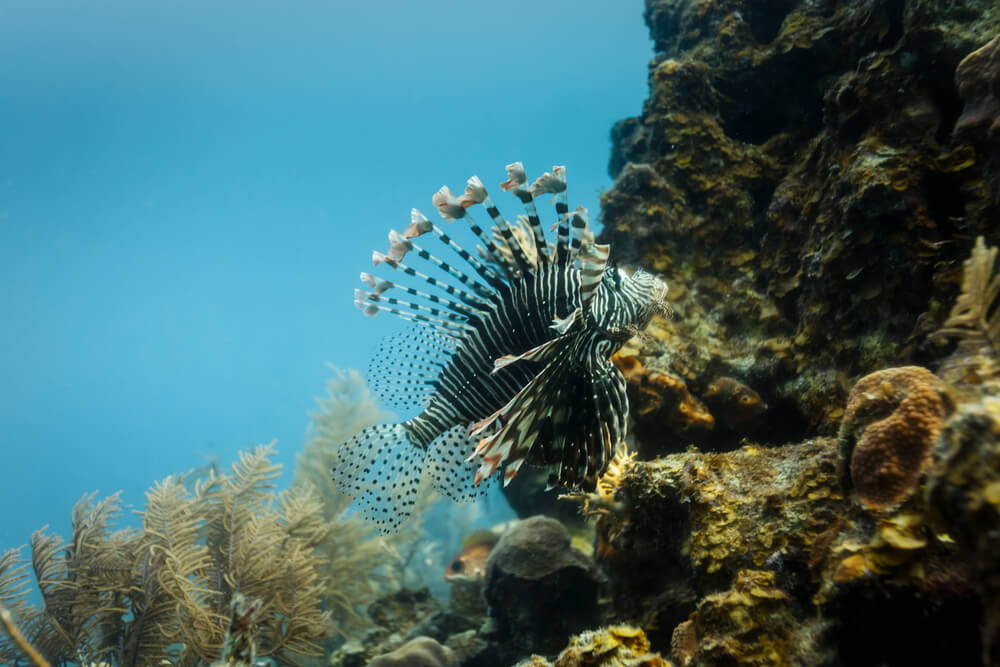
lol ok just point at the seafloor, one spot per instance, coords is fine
(815, 467)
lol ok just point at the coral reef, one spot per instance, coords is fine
(892, 420)
(964, 490)
(533, 561)
(810, 233)
(755, 556)
(163, 592)
(661, 402)
(693, 520)
(803, 489)
(614, 646)
(752, 623)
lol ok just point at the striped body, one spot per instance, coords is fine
(510, 360)
(466, 389)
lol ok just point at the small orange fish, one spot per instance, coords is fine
(470, 563)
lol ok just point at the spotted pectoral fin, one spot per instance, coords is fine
(573, 415)
(447, 466)
(380, 468)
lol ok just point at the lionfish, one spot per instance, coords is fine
(510, 358)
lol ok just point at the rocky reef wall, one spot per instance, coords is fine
(809, 176)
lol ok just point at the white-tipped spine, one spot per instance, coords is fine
(398, 246)
(447, 205)
(419, 225)
(475, 193)
(553, 182)
(516, 177)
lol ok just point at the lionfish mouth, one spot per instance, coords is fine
(510, 357)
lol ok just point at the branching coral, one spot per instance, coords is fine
(163, 592)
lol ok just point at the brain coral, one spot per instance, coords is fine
(892, 420)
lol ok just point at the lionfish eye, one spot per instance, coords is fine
(456, 565)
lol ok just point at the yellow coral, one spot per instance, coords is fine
(614, 646)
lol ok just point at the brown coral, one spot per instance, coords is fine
(693, 520)
(892, 419)
(662, 399)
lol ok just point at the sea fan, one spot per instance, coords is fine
(975, 319)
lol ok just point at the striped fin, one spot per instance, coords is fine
(539, 353)
(509, 246)
(567, 409)
(453, 208)
(381, 285)
(519, 236)
(362, 296)
(593, 261)
(563, 256)
(419, 225)
(369, 306)
(578, 223)
(399, 246)
(467, 297)
(551, 182)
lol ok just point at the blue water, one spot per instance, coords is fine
(187, 195)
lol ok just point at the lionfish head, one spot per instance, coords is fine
(625, 304)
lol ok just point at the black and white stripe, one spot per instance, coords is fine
(514, 365)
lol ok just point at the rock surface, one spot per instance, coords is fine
(540, 590)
